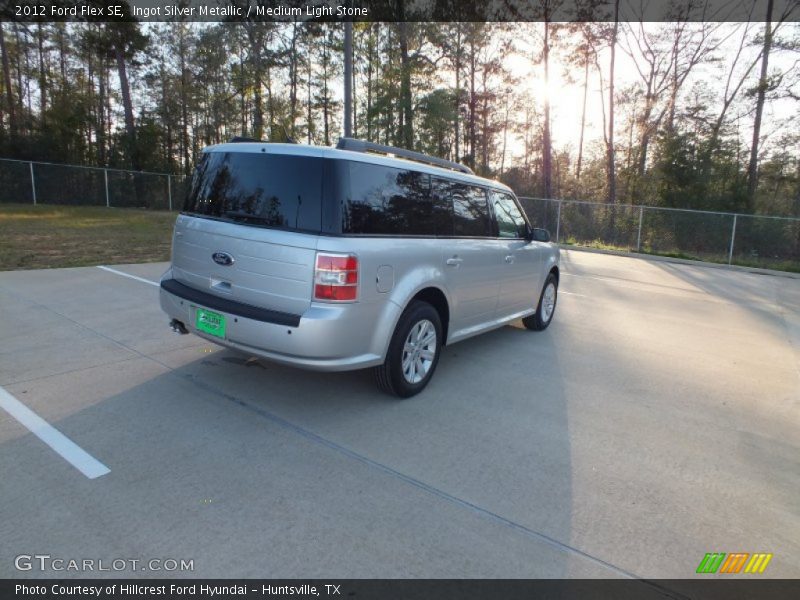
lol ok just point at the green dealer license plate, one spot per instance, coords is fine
(210, 322)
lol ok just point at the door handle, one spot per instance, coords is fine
(510, 258)
(454, 262)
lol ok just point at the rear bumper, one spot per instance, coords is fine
(327, 337)
(176, 288)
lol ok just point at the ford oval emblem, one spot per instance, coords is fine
(222, 258)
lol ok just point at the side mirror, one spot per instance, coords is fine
(537, 234)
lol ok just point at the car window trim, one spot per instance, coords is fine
(519, 207)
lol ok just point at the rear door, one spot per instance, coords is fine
(259, 215)
(520, 267)
(469, 255)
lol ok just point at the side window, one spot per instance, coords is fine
(383, 200)
(510, 222)
(468, 206)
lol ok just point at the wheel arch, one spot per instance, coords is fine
(436, 298)
(554, 270)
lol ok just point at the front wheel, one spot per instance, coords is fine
(539, 320)
(413, 352)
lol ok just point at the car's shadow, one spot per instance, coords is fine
(477, 466)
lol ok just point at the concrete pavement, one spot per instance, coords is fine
(657, 419)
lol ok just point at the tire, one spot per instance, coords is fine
(400, 375)
(539, 320)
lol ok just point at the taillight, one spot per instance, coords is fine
(336, 277)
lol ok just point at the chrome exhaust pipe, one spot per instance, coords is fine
(178, 327)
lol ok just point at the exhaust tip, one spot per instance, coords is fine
(178, 327)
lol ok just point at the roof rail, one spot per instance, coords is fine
(355, 145)
(239, 139)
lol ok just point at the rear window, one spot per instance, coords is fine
(258, 189)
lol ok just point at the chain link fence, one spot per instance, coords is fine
(29, 182)
(749, 240)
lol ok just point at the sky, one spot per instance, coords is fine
(566, 97)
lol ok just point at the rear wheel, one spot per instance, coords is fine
(547, 306)
(413, 351)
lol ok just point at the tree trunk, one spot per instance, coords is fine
(547, 165)
(20, 70)
(485, 123)
(242, 93)
(42, 72)
(62, 51)
(407, 133)
(528, 125)
(130, 127)
(255, 57)
(505, 136)
(370, 62)
(673, 97)
(293, 81)
(630, 187)
(101, 106)
(270, 106)
(107, 111)
(388, 132)
(583, 119)
(458, 92)
(12, 115)
(472, 59)
(612, 173)
(184, 101)
(354, 97)
(167, 116)
(310, 115)
(325, 99)
(752, 169)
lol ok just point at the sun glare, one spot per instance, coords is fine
(566, 100)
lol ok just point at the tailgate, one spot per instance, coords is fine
(270, 268)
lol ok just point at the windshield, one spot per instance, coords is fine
(258, 189)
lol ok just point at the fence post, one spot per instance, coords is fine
(169, 190)
(105, 174)
(639, 236)
(733, 237)
(33, 185)
(558, 222)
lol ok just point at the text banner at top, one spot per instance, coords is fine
(150, 11)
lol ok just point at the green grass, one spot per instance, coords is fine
(47, 236)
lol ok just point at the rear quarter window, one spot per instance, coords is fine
(469, 208)
(378, 200)
(259, 189)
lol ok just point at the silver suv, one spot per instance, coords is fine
(359, 256)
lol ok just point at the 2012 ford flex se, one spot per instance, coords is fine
(359, 256)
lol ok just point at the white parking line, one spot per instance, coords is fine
(572, 294)
(69, 450)
(128, 275)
